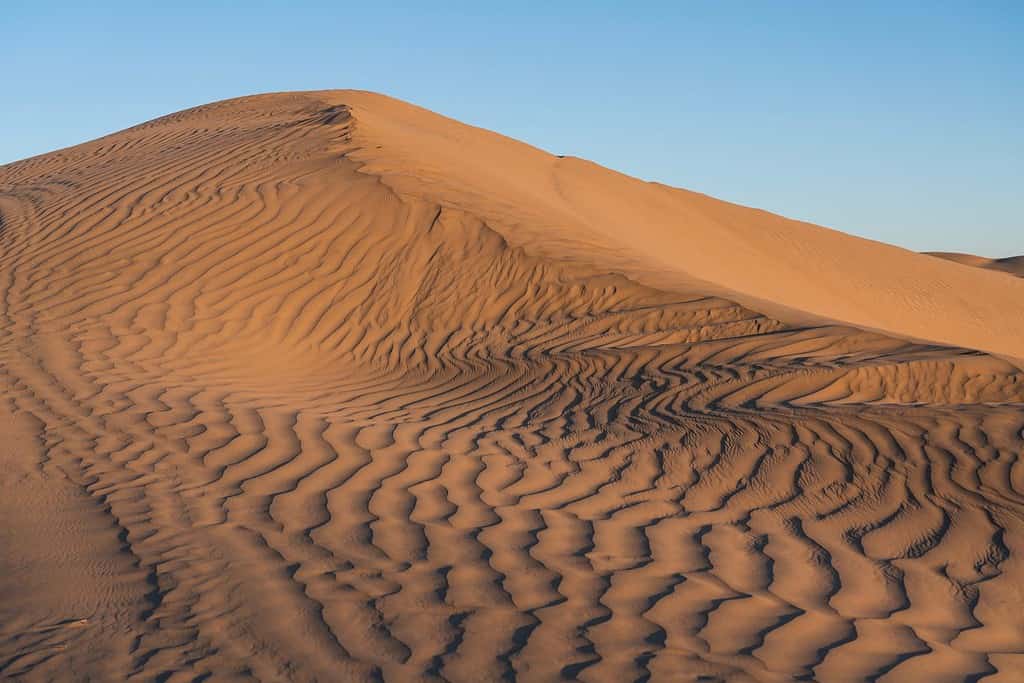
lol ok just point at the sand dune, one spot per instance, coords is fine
(1014, 265)
(325, 387)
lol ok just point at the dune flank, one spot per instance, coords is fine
(326, 387)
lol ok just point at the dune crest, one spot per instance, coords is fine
(668, 237)
(322, 386)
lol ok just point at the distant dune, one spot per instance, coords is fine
(326, 387)
(1014, 265)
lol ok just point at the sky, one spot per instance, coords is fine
(897, 121)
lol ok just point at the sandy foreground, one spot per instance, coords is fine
(326, 387)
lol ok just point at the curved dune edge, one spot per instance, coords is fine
(671, 238)
(271, 412)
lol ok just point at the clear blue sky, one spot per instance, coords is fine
(898, 121)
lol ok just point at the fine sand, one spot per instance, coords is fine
(326, 387)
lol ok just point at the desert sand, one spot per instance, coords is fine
(326, 387)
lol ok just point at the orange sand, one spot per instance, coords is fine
(326, 387)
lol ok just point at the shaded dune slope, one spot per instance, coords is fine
(326, 406)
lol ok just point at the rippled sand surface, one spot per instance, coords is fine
(323, 387)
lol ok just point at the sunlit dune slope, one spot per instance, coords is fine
(325, 387)
(669, 237)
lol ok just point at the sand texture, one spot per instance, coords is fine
(326, 387)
